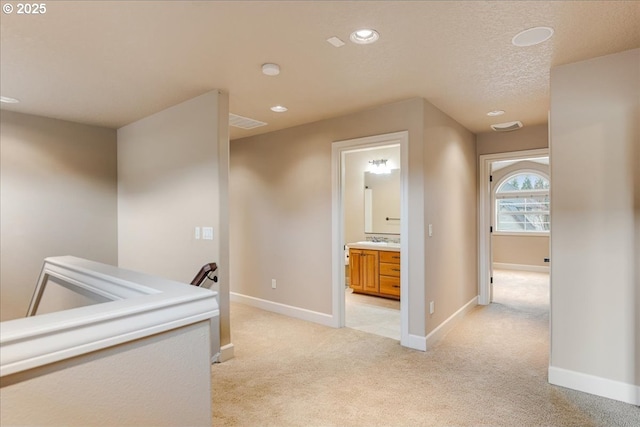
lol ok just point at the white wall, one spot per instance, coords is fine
(161, 380)
(58, 196)
(595, 196)
(172, 177)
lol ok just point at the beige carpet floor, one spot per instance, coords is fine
(491, 370)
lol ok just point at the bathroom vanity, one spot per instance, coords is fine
(374, 269)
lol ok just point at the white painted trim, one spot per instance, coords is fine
(484, 216)
(616, 390)
(138, 306)
(416, 342)
(286, 310)
(438, 333)
(226, 352)
(338, 150)
(520, 267)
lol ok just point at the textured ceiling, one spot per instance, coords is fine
(111, 63)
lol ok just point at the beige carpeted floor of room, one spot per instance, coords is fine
(491, 370)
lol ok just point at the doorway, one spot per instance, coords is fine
(340, 151)
(514, 217)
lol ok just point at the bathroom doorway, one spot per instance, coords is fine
(371, 205)
(358, 193)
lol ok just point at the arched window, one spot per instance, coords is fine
(522, 203)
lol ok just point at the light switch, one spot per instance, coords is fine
(430, 230)
(197, 233)
(207, 233)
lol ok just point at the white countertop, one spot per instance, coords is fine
(379, 246)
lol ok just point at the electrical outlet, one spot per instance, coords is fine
(273, 283)
(430, 230)
(432, 307)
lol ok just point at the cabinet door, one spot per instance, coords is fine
(370, 271)
(355, 269)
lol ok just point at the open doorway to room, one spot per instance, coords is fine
(371, 205)
(515, 229)
(369, 212)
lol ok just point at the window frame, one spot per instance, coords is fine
(518, 194)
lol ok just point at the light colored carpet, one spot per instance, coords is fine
(491, 370)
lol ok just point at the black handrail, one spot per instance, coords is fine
(204, 273)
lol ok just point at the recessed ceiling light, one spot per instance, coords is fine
(364, 36)
(279, 108)
(495, 113)
(270, 69)
(532, 36)
(8, 100)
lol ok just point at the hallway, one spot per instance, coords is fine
(490, 370)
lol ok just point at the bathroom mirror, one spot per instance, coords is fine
(382, 202)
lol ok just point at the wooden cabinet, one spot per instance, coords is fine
(375, 272)
(390, 273)
(363, 270)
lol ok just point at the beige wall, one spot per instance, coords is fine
(58, 196)
(162, 380)
(172, 169)
(595, 169)
(280, 198)
(527, 138)
(520, 250)
(450, 202)
(281, 210)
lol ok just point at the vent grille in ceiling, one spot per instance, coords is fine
(244, 122)
(507, 127)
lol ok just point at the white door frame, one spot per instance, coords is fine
(484, 217)
(338, 150)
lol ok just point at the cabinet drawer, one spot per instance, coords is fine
(390, 285)
(387, 269)
(390, 257)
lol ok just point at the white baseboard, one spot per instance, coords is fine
(226, 353)
(415, 342)
(287, 310)
(438, 333)
(616, 390)
(521, 267)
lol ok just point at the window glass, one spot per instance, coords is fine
(522, 204)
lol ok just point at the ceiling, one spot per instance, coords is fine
(111, 63)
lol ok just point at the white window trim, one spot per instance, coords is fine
(516, 194)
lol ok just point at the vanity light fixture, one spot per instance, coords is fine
(364, 36)
(279, 108)
(8, 100)
(532, 36)
(379, 166)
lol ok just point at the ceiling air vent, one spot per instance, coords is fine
(507, 127)
(244, 122)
